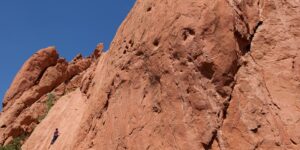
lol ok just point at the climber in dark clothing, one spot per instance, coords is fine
(55, 136)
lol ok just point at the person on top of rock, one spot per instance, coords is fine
(55, 136)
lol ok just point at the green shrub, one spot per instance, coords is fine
(41, 118)
(50, 101)
(49, 104)
(15, 144)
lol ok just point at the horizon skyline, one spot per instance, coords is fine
(75, 27)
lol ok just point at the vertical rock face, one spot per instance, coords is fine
(264, 110)
(183, 74)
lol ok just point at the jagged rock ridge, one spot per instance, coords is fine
(43, 73)
(181, 75)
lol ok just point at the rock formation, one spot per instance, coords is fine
(43, 73)
(181, 74)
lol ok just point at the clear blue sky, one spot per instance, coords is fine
(73, 26)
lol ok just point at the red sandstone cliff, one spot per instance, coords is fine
(180, 74)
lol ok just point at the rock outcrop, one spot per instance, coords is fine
(30, 74)
(183, 74)
(43, 73)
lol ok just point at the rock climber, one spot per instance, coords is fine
(55, 136)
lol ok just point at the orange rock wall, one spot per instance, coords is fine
(181, 74)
